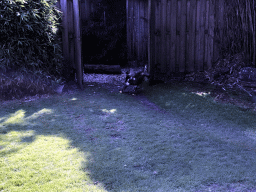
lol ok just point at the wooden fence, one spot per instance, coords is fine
(181, 35)
(171, 35)
(71, 38)
(137, 30)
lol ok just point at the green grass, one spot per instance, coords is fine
(95, 140)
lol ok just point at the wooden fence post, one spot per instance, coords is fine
(151, 37)
(78, 62)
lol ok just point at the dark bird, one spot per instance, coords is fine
(135, 80)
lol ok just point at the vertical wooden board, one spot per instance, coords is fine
(85, 10)
(163, 36)
(71, 33)
(77, 39)
(151, 37)
(133, 27)
(128, 30)
(141, 26)
(141, 39)
(173, 34)
(215, 37)
(197, 39)
(254, 38)
(183, 30)
(146, 28)
(136, 29)
(187, 36)
(88, 9)
(168, 37)
(219, 24)
(157, 33)
(178, 38)
(82, 8)
(129, 25)
(206, 34)
(191, 25)
(145, 32)
(201, 35)
(211, 34)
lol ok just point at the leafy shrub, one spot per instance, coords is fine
(238, 31)
(29, 36)
(30, 48)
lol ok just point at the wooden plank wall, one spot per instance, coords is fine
(183, 34)
(71, 35)
(137, 30)
(86, 9)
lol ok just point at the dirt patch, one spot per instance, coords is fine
(149, 104)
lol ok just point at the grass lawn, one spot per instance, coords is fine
(94, 140)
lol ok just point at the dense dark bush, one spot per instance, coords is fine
(29, 38)
(30, 48)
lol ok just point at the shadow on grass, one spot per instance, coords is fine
(123, 145)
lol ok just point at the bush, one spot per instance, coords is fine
(29, 36)
(239, 30)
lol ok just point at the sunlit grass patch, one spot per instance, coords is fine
(16, 118)
(31, 162)
(19, 117)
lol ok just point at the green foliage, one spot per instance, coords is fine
(239, 29)
(29, 36)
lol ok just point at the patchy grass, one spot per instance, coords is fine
(94, 140)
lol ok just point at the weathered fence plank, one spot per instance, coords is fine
(157, 36)
(129, 21)
(173, 35)
(219, 25)
(211, 35)
(178, 38)
(191, 23)
(182, 33)
(163, 48)
(168, 38)
(77, 50)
